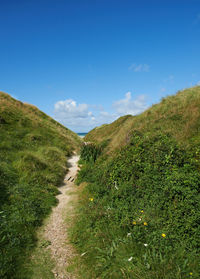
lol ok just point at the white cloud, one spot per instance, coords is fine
(139, 68)
(84, 117)
(104, 113)
(70, 109)
(73, 115)
(130, 106)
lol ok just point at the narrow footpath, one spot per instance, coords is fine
(56, 230)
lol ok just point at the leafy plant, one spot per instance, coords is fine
(139, 214)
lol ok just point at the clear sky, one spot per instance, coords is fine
(87, 62)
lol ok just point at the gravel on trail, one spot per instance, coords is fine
(56, 230)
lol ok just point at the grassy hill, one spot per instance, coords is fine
(139, 213)
(33, 156)
(178, 115)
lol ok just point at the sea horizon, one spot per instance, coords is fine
(82, 135)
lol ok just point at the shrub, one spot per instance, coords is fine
(143, 219)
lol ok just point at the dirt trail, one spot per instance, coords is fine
(56, 229)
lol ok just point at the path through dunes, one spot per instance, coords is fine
(54, 252)
(56, 229)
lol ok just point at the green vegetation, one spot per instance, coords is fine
(114, 133)
(177, 115)
(138, 216)
(90, 152)
(33, 157)
(40, 263)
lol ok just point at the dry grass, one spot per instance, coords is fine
(178, 115)
(20, 110)
(33, 153)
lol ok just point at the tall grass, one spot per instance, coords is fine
(178, 115)
(138, 216)
(33, 156)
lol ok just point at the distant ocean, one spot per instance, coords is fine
(82, 134)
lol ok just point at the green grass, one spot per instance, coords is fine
(143, 219)
(40, 264)
(33, 161)
(178, 115)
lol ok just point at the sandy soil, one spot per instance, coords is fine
(56, 229)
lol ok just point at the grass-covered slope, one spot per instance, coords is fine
(178, 115)
(33, 156)
(113, 135)
(140, 211)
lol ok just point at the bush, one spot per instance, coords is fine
(139, 217)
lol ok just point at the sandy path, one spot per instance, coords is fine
(56, 229)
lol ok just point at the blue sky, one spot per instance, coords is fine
(87, 62)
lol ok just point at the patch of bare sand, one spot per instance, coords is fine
(56, 230)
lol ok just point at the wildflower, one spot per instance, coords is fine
(142, 211)
(128, 234)
(134, 223)
(130, 259)
(163, 235)
(91, 199)
(139, 219)
(145, 244)
(191, 273)
(145, 224)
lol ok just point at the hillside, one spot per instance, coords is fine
(33, 157)
(178, 115)
(139, 213)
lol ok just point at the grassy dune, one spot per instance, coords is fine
(178, 115)
(33, 154)
(139, 213)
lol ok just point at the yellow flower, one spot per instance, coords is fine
(91, 199)
(145, 224)
(142, 211)
(163, 235)
(134, 223)
(191, 273)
